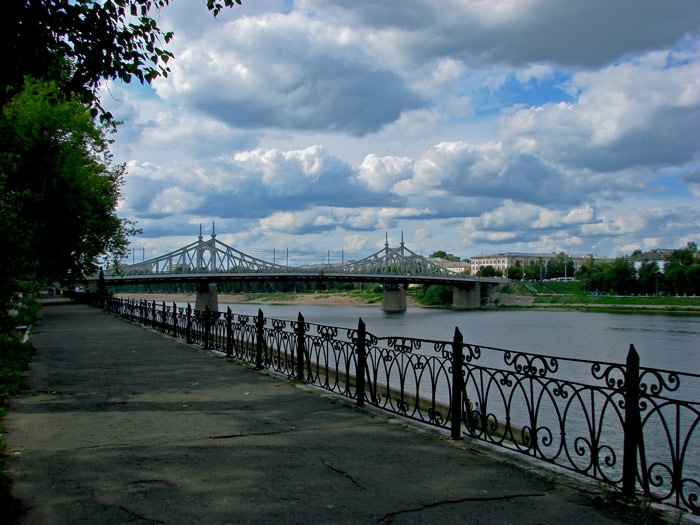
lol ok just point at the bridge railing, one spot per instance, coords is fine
(630, 427)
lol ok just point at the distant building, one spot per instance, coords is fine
(503, 261)
(658, 255)
(452, 264)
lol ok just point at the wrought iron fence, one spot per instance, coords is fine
(630, 427)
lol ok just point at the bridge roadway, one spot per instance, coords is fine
(124, 425)
(208, 262)
(468, 292)
(296, 275)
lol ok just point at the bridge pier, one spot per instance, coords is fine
(466, 298)
(207, 296)
(394, 299)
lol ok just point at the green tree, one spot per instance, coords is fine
(682, 271)
(59, 188)
(77, 43)
(489, 271)
(596, 275)
(437, 295)
(442, 254)
(649, 277)
(515, 272)
(622, 276)
(560, 266)
(535, 270)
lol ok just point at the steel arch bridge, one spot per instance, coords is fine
(214, 261)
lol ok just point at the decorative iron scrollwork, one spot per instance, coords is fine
(327, 332)
(654, 383)
(278, 325)
(405, 345)
(474, 353)
(531, 364)
(612, 375)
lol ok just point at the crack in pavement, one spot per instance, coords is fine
(241, 434)
(178, 440)
(388, 518)
(135, 516)
(343, 473)
(195, 439)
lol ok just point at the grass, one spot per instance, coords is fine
(554, 294)
(371, 296)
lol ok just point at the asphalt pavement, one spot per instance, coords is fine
(125, 425)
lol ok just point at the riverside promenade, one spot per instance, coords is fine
(125, 425)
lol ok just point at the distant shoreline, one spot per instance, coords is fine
(343, 299)
(318, 298)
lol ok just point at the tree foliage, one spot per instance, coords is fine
(436, 295)
(489, 271)
(682, 272)
(515, 272)
(59, 188)
(560, 266)
(78, 43)
(681, 275)
(442, 254)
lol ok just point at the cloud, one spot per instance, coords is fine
(531, 125)
(287, 71)
(626, 116)
(382, 173)
(582, 34)
(175, 199)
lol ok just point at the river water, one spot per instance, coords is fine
(662, 341)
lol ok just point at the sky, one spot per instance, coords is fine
(322, 128)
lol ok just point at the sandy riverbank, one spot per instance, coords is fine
(328, 299)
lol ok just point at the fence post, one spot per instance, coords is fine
(175, 320)
(207, 326)
(154, 321)
(188, 326)
(633, 424)
(229, 332)
(260, 334)
(301, 342)
(163, 320)
(456, 402)
(361, 362)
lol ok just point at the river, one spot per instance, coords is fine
(662, 341)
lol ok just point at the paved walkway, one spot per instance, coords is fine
(124, 425)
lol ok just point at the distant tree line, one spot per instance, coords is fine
(680, 276)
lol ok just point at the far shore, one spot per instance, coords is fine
(343, 299)
(318, 298)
